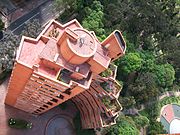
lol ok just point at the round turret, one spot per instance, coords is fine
(78, 50)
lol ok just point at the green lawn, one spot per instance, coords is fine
(169, 100)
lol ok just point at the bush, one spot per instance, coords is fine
(127, 102)
(106, 73)
(107, 102)
(155, 128)
(19, 123)
(152, 112)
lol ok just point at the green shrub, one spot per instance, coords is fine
(19, 123)
(125, 126)
(106, 73)
(141, 121)
(107, 102)
(105, 86)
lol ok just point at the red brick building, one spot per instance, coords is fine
(68, 62)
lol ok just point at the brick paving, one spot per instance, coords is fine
(39, 122)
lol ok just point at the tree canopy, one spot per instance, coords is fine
(8, 46)
(130, 63)
(94, 19)
(125, 126)
(32, 28)
(151, 64)
(165, 75)
(141, 121)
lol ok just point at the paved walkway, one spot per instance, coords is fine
(39, 122)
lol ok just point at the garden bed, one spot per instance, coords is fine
(111, 87)
(111, 104)
(109, 72)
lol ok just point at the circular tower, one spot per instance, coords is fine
(78, 46)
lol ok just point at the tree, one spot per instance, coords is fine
(8, 46)
(151, 33)
(66, 4)
(124, 126)
(149, 61)
(32, 28)
(156, 128)
(172, 56)
(59, 4)
(165, 75)
(144, 88)
(141, 121)
(72, 9)
(131, 62)
(127, 102)
(160, 19)
(94, 19)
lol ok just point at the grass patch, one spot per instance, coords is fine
(169, 100)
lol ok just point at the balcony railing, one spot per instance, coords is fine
(107, 121)
(111, 104)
